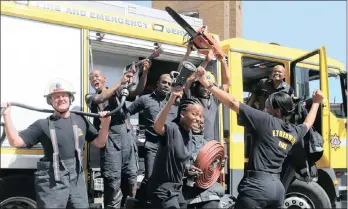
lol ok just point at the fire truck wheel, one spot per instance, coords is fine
(18, 192)
(306, 195)
(18, 202)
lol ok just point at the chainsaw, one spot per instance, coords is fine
(200, 39)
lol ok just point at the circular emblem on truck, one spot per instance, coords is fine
(335, 141)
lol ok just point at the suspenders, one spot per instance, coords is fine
(56, 149)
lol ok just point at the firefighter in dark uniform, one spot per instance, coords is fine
(194, 196)
(273, 138)
(151, 105)
(266, 87)
(174, 151)
(119, 160)
(60, 178)
(209, 102)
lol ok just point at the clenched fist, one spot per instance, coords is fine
(147, 65)
(317, 96)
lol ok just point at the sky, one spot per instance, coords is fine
(305, 25)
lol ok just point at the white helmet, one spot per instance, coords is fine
(59, 85)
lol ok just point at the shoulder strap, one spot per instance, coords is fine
(73, 117)
(55, 147)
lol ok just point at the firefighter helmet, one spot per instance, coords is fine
(210, 77)
(59, 85)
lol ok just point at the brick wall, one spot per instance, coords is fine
(222, 17)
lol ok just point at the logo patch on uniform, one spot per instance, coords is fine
(335, 141)
(80, 132)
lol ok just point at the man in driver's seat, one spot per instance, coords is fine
(267, 86)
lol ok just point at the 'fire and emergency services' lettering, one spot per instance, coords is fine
(104, 17)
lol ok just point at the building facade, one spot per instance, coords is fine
(222, 17)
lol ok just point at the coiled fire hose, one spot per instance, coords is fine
(124, 94)
(209, 160)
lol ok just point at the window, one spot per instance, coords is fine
(253, 71)
(336, 99)
(307, 80)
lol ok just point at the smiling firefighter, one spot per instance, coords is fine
(268, 86)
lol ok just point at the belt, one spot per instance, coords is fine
(261, 174)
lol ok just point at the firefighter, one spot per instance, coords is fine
(119, 160)
(60, 178)
(194, 196)
(209, 102)
(273, 138)
(151, 105)
(267, 86)
(174, 151)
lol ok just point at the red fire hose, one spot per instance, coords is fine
(209, 160)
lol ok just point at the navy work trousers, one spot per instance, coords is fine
(167, 195)
(119, 165)
(260, 190)
(69, 192)
(208, 205)
(196, 196)
(150, 155)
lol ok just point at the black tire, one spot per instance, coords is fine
(306, 195)
(17, 190)
(18, 202)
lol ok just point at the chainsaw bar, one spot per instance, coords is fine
(192, 32)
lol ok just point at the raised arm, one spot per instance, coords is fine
(142, 80)
(226, 98)
(191, 78)
(26, 138)
(188, 52)
(204, 64)
(225, 75)
(107, 93)
(162, 116)
(12, 134)
(317, 99)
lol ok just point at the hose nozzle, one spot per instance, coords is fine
(124, 92)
